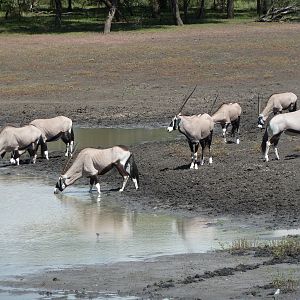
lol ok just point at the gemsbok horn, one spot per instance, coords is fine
(186, 99)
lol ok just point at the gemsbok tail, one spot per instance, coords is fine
(264, 141)
(134, 172)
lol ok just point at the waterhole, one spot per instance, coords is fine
(40, 230)
(107, 137)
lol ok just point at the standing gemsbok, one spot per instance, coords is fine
(91, 162)
(288, 123)
(15, 139)
(56, 128)
(226, 114)
(198, 129)
(276, 104)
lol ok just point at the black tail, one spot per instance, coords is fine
(72, 135)
(134, 172)
(295, 106)
(264, 141)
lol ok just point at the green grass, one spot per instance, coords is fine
(92, 19)
(279, 249)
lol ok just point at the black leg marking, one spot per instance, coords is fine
(275, 139)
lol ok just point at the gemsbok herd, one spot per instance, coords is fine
(198, 129)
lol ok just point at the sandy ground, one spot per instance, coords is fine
(140, 79)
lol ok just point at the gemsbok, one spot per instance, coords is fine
(92, 162)
(229, 114)
(54, 129)
(18, 139)
(276, 104)
(198, 129)
(288, 123)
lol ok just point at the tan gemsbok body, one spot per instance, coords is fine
(198, 129)
(229, 114)
(56, 128)
(91, 162)
(15, 139)
(288, 123)
(276, 104)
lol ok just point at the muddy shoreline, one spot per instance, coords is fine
(139, 79)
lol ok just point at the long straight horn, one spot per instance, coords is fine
(213, 104)
(68, 160)
(258, 104)
(186, 99)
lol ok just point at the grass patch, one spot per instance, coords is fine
(285, 281)
(278, 249)
(91, 19)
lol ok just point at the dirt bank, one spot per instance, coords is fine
(139, 80)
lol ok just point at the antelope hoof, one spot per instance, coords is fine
(196, 167)
(237, 141)
(121, 190)
(210, 160)
(12, 161)
(192, 166)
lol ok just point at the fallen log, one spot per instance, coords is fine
(277, 14)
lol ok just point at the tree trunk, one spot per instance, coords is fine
(58, 11)
(155, 9)
(258, 7)
(230, 9)
(185, 10)
(176, 13)
(265, 6)
(110, 5)
(201, 12)
(111, 14)
(69, 5)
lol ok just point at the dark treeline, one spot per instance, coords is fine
(151, 12)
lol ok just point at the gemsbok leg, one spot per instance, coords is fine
(194, 150)
(206, 142)
(235, 130)
(94, 181)
(68, 139)
(273, 141)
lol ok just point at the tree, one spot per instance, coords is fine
(155, 8)
(201, 11)
(110, 16)
(230, 9)
(58, 11)
(176, 13)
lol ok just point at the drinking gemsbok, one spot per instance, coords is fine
(226, 114)
(15, 139)
(276, 104)
(288, 123)
(92, 162)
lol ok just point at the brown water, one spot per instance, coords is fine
(40, 230)
(107, 137)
